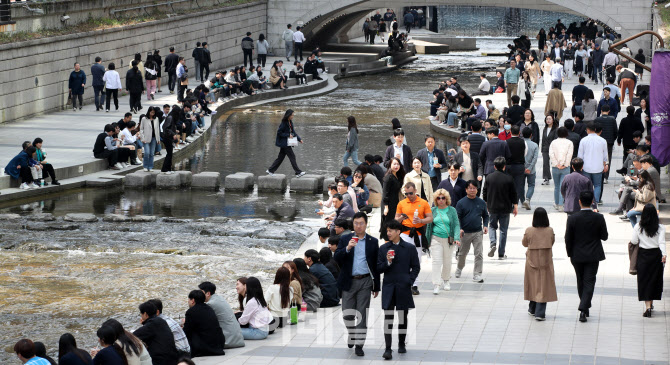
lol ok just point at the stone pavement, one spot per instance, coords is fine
(488, 323)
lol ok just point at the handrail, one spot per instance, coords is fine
(143, 7)
(613, 49)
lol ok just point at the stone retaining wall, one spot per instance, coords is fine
(34, 74)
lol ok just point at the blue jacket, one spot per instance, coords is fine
(22, 159)
(98, 71)
(75, 82)
(346, 261)
(327, 284)
(492, 149)
(399, 276)
(408, 18)
(283, 132)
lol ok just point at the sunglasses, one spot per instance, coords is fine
(409, 193)
(441, 198)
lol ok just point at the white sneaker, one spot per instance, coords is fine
(137, 160)
(24, 186)
(119, 165)
(34, 186)
(222, 100)
(436, 290)
(190, 139)
(447, 286)
(458, 273)
(269, 173)
(124, 164)
(146, 169)
(478, 279)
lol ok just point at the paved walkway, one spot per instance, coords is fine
(488, 323)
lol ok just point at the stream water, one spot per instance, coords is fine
(58, 277)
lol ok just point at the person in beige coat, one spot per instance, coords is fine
(533, 68)
(424, 188)
(538, 282)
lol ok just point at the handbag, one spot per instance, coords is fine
(632, 255)
(292, 142)
(293, 319)
(499, 90)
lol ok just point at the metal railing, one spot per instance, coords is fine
(144, 7)
(5, 11)
(631, 59)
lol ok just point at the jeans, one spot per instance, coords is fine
(632, 215)
(606, 175)
(254, 333)
(288, 46)
(198, 75)
(450, 118)
(149, 150)
(530, 178)
(501, 220)
(558, 175)
(97, 90)
(597, 180)
(172, 80)
(579, 109)
(354, 157)
(539, 309)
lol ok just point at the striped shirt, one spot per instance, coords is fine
(180, 340)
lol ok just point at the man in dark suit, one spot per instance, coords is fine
(580, 126)
(399, 262)
(584, 233)
(357, 256)
(572, 136)
(454, 184)
(476, 139)
(516, 165)
(516, 111)
(499, 193)
(428, 164)
(327, 281)
(493, 148)
(399, 150)
(474, 170)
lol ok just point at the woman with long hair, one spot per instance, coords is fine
(533, 68)
(548, 136)
(642, 113)
(296, 282)
(286, 134)
(135, 87)
(581, 59)
(256, 313)
(538, 280)
(150, 136)
(241, 289)
(277, 77)
(69, 354)
(262, 47)
(111, 353)
(362, 191)
(136, 352)
(589, 106)
(150, 76)
(645, 194)
(169, 135)
(113, 85)
(279, 296)
(311, 292)
(351, 147)
(529, 122)
(649, 234)
(392, 186)
(41, 351)
(424, 188)
(525, 89)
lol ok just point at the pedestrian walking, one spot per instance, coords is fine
(287, 36)
(151, 136)
(97, 72)
(197, 56)
(649, 235)
(539, 287)
(399, 262)
(530, 156)
(357, 254)
(206, 60)
(512, 75)
(248, 50)
(548, 136)
(76, 85)
(262, 47)
(298, 40)
(134, 86)
(474, 220)
(351, 147)
(499, 193)
(286, 139)
(171, 63)
(442, 237)
(584, 232)
(182, 78)
(113, 85)
(158, 60)
(433, 160)
(392, 186)
(150, 76)
(560, 155)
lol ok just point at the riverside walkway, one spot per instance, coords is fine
(488, 323)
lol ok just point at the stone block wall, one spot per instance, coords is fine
(34, 74)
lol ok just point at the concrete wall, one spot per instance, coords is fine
(34, 74)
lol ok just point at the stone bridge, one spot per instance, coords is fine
(324, 18)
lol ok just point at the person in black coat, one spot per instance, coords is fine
(399, 262)
(580, 126)
(627, 126)
(454, 184)
(392, 185)
(376, 169)
(135, 87)
(201, 327)
(284, 132)
(569, 124)
(492, 149)
(171, 62)
(157, 336)
(327, 282)
(428, 165)
(400, 150)
(358, 279)
(528, 121)
(476, 139)
(499, 193)
(516, 165)
(584, 233)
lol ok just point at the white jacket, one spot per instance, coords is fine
(112, 80)
(560, 152)
(273, 298)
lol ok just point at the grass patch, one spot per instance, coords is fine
(99, 24)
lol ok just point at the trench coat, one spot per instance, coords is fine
(399, 276)
(538, 280)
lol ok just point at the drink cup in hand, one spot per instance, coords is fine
(391, 254)
(355, 239)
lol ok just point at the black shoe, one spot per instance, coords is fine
(350, 345)
(401, 348)
(582, 317)
(359, 351)
(587, 313)
(388, 354)
(319, 78)
(647, 313)
(415, 290)
(621, 171)
(55, 182)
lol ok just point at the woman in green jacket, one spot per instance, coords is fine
(444, 232)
